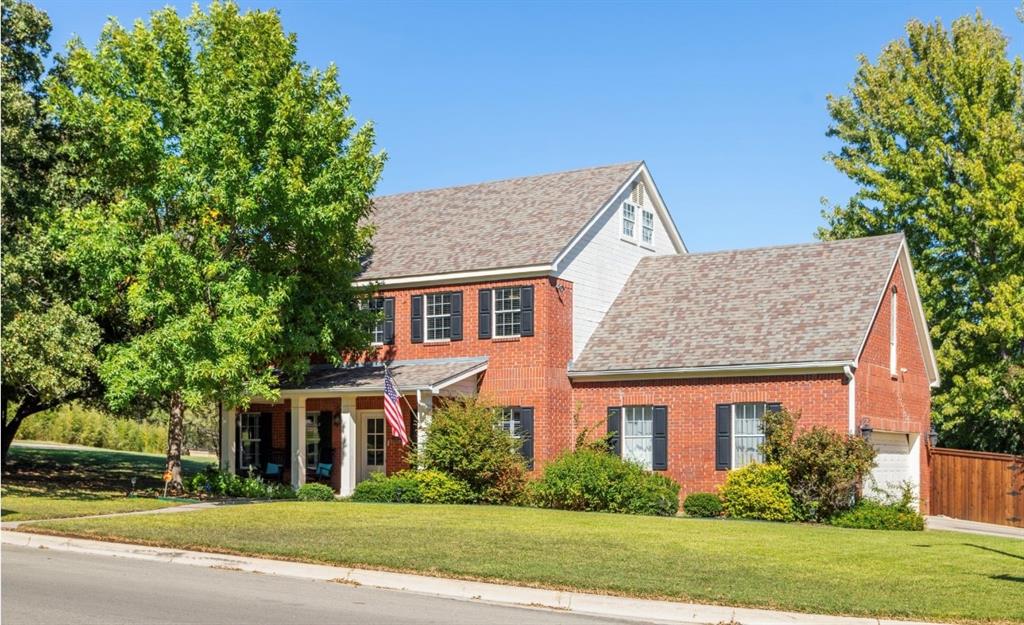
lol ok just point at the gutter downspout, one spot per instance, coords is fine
(851, 390)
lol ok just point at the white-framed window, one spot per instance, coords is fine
(507, 312)
(747, 433)
(375, 442)
(512, 421)
(376, 304)
(637, 435)
(437, 310)
(312, 439)
(892, 333)
(249, 423)
(628, 220)
(647, 227)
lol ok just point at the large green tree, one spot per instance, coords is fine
(224, 190)
(933, 133)
(48, 347)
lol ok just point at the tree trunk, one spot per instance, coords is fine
(175, 436)
(28, 406)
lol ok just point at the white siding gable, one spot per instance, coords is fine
(600, 262)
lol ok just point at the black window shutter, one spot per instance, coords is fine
(660, 432)
(266, 437)
(526, 306)
(484, 313)
(457, 315)
(774, 408)
(614, 426)
(416, 319)
(723, 437)
(389, 321)
(526, 432)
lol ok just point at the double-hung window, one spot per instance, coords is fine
(376, 304)
(438, 313)
(312, 439)
(249, 424)
(747, 433)
(518, 422)
(647, 229)
(628, 220)
(637, 430)
(512, 421)
(507, 312)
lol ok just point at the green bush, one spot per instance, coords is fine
(587, 479)
(315, 492)
(398, 488)
(438, 487)
(703, 505)
(758, 491)
(75, 425)
(824, 468)
(465, 441)
(212, 481)
(874, 515)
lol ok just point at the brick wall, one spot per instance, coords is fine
(820, 399)
(903, 403)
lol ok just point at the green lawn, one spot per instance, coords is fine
(821, 569)
(46, 483)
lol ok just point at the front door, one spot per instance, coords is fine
(372, 441)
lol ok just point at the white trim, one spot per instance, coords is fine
(362, 416)
(659, 206)
(494, 313)
(461, 277)
(917, 312)
(436, 388)
(893, 330)
(806, 368)
(851, 399)
(732, 430)
(631, 236)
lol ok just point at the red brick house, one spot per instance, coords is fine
(570, 299)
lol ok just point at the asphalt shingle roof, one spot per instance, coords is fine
(408, 374)
(798, 303)
(492, 225)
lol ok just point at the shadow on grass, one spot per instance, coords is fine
(1008, 578)
(84, 474)
(1005, 553)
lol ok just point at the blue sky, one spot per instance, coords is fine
(725, 102)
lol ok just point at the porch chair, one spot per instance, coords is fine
(323, 471)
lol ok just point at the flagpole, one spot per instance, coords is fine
(402, 395)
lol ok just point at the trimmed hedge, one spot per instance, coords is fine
(414, 487)
(758, 491)
(703, 505)
(874, 515)
(596, 481)
(213, 481)
(315, 492)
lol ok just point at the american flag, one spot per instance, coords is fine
(392, 409)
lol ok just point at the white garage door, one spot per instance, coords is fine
(895, 463)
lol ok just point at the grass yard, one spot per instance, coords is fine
(54, 482)
(820, 569)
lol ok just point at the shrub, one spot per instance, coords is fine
(758, 491)
(437, 487)
(398, 488)
(592, 480)
(824, 468)
(315, 492)
(703, 505)
(213, 481)
(465, 441)
(77, 425)
(874, 515)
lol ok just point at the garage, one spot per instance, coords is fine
(897, 461)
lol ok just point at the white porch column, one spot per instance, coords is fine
(228, 428)
(298, 450)
(424, 411)
(349, 439)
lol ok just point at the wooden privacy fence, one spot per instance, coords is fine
(977, 486)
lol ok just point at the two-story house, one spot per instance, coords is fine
(570, 299)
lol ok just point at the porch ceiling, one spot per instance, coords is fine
(409, 375)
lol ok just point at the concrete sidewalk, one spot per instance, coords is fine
(973, 527)
(188, 507)
(574, 602)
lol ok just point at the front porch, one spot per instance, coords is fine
(330, 428)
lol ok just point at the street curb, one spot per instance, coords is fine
(575, 602)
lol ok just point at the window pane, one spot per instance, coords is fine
(376, 304)
(648, 227)
(628, 219)
(638, 442)
(511, 421)
(748, 433)
(439, 316)
(507, 311)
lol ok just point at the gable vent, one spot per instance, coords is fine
(637, 195)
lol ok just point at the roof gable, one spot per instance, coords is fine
(808, 303)
(520, 222)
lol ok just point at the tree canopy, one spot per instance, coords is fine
(223, 190)
(933, 133)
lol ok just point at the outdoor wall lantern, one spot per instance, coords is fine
(866, 430)
(933, 437)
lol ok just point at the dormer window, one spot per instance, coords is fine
(647, 231)
(628, 220)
